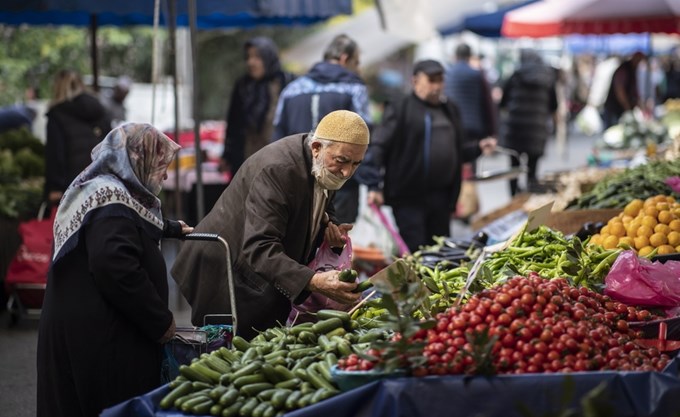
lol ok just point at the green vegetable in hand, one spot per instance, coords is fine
(348, 275)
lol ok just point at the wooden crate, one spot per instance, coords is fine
(570, 221)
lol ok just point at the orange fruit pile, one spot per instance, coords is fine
(644, 226)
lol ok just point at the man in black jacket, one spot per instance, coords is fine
(421, 146)
(333, 84)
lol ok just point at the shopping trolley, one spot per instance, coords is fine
(190, 343)
(511, 173)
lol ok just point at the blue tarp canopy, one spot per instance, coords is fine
(485, 24)
(622, 44)
(210, 13)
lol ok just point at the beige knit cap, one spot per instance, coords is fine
(343, 126)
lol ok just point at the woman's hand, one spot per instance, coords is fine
(186, 229)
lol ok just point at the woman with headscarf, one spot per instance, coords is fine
(253, 103)
(76, 122)
(105, 315)
(529, 100)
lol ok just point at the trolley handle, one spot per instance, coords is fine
(210, 237)
(213, 237)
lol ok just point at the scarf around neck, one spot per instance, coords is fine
(127, 169)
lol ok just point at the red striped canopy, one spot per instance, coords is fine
(563, 17)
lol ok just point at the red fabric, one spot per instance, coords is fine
(554, 18)
(32, 260)
(209, 133)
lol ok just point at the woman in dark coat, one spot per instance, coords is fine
(76, 122)
(253, 103)
(105, 313)
(530, 100)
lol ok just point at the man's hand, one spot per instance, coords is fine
(375, 197)
(487, 145)
(328, 284)
(336, 235)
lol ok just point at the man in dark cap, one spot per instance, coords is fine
(421, 146)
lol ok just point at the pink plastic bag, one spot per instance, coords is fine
(641, 282)
(325, 260)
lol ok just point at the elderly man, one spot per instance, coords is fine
(275, 214)
(333, 84)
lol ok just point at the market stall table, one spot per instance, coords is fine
(653, 394)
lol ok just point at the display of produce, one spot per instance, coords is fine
(532, 325)
(672, 117)
(552, 255)
(641, 182)
(22, 168)
(632, 132)
(281, 369)
(649, 227)
(544, 251)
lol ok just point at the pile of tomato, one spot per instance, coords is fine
(355, 362)
(536, 325)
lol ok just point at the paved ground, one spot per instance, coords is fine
(18, 344)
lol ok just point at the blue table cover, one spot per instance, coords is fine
(637, 394)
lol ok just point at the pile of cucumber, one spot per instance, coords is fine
(280, 370)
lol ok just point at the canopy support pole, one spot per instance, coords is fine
(200, 209)
(172, 12)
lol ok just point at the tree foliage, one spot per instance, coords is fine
(31, 56)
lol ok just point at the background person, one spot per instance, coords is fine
(420, 146)
(467, 88)
(114, 101)
(275, 214)
(252, 104)
(15, 117)
(76, 122)
(529, 100)
(623, 92)
(333, 84)
(105, 313)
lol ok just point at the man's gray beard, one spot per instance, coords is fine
(317, 165)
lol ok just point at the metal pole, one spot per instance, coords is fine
(200, 210)
(172, 12)
(93, 52)
(154, 59)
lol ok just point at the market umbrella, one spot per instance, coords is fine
(559, 17)
(483, 24)
(210, 14)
